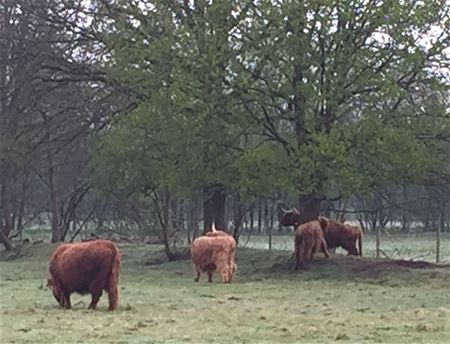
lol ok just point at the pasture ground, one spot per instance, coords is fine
(342, 299)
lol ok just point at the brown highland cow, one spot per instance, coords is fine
(338, 234)
(86, 267)
(308, 240)
(214, 251)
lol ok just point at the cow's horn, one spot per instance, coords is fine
(285, 210)
(295, 210)
(213, 227)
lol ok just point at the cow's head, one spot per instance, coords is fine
(55, 290)
(290, 217)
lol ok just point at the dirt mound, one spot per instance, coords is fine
(364, 265)
(374, 268)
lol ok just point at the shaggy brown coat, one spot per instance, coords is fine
(86, 267)
(308, 240)
(338, 234)
(214, 251)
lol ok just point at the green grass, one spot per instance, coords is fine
(343, 299)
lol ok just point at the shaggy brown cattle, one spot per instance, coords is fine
(214, 251)
(338, 234)
(308, 240)
(290, 217)
(86, 267)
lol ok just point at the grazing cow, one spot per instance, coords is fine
(86, 267)
(338, 234)
(308, 240)
(214, 251)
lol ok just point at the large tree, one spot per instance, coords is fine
(176, 60)
(316, 98)
(336, 84)
(52, 99)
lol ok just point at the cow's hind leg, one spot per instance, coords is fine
(210, 273)
(225, 272)
(95, 288)
(113, 296)
(65, 301)
(307, 253)
(96, 294)
(297, 254)
(197, 273)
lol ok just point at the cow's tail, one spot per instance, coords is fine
(113, 279)
(298, 244)
(114, 276)
(360, 238)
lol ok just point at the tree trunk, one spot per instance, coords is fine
(280, 214)
(266, 213)
(377, 242)
(164, 220)
(56, 229)
(438, 236)
(309, 208)
(5, 241)
(21, 210)
(214, 209)
(259, 215)
(190, 215)
(5, 223)
(269, 230)
(272, 211)
(238, 218)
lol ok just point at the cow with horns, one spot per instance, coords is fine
(336, 234)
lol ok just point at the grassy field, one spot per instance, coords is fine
(343, 299)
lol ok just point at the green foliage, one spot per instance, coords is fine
(313, 98)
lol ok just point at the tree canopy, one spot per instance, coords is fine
(323, 99)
